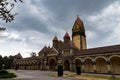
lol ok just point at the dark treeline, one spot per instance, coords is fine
(6, 62)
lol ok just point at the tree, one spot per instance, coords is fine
(6, 8)
(0, 62)
(7, 61)
(10, 62)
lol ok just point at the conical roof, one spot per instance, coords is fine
(66, 35)
(79, 21)
(55, 38)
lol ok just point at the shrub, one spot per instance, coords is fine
(60, 70)
(3, 72)
(6, 74)
(78, 70)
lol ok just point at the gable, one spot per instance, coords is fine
(52, 52)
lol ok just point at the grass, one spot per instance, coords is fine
(6, 74)
(114, 78)
(86, 77)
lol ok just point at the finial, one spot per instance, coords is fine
(66, 29)
(49, 44)
(55, 33)
(77, 15)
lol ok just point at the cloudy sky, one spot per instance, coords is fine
(40, 20)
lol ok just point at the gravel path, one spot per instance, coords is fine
(35, 75)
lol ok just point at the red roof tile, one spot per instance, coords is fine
(45, 50)
(55, 38)
(66, 35)
(100, 50)
(69, 45)
(79, 21)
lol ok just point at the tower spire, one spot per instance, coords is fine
(78, 34)
(55, 42)
(55, 38)
(66, 37)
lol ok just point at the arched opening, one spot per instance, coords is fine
(25, 66)
(66, 65)
(78, 63)
(52, 64)
(88, 65)
(115, 65)
(101, 65)
(39, 65)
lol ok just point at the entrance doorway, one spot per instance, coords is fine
(52, 64)
(66, 65)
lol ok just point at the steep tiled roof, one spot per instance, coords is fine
(31, 58)
(60, 46)
(69, 45)
(18, 56)
(66, 35)
(28, 60)
(45, 50)
(100, 50)
(55, 38)
(79, 21)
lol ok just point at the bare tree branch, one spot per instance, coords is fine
(6, 8)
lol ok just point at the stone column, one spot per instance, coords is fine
(108, 66)
(59, 61)
(44, 64)
(94, 66)
(82, 68)
(73, 67)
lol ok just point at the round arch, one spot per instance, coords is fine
(77, 59)
(88, 65)
(101, 65)
(115, 64)
(78, 63)
(52, 64)
(113, 56)
(100, 57)
(88, 58)
(67, 65)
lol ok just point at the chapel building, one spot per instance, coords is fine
(73, 52)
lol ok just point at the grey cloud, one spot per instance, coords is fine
(63, 7)
(63, 15)
(26, 21)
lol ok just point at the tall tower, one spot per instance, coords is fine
(66, 37)
(78, 34)
(55, 42)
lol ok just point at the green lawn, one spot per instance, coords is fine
(87, 76)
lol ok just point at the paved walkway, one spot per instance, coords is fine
(36, 75)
